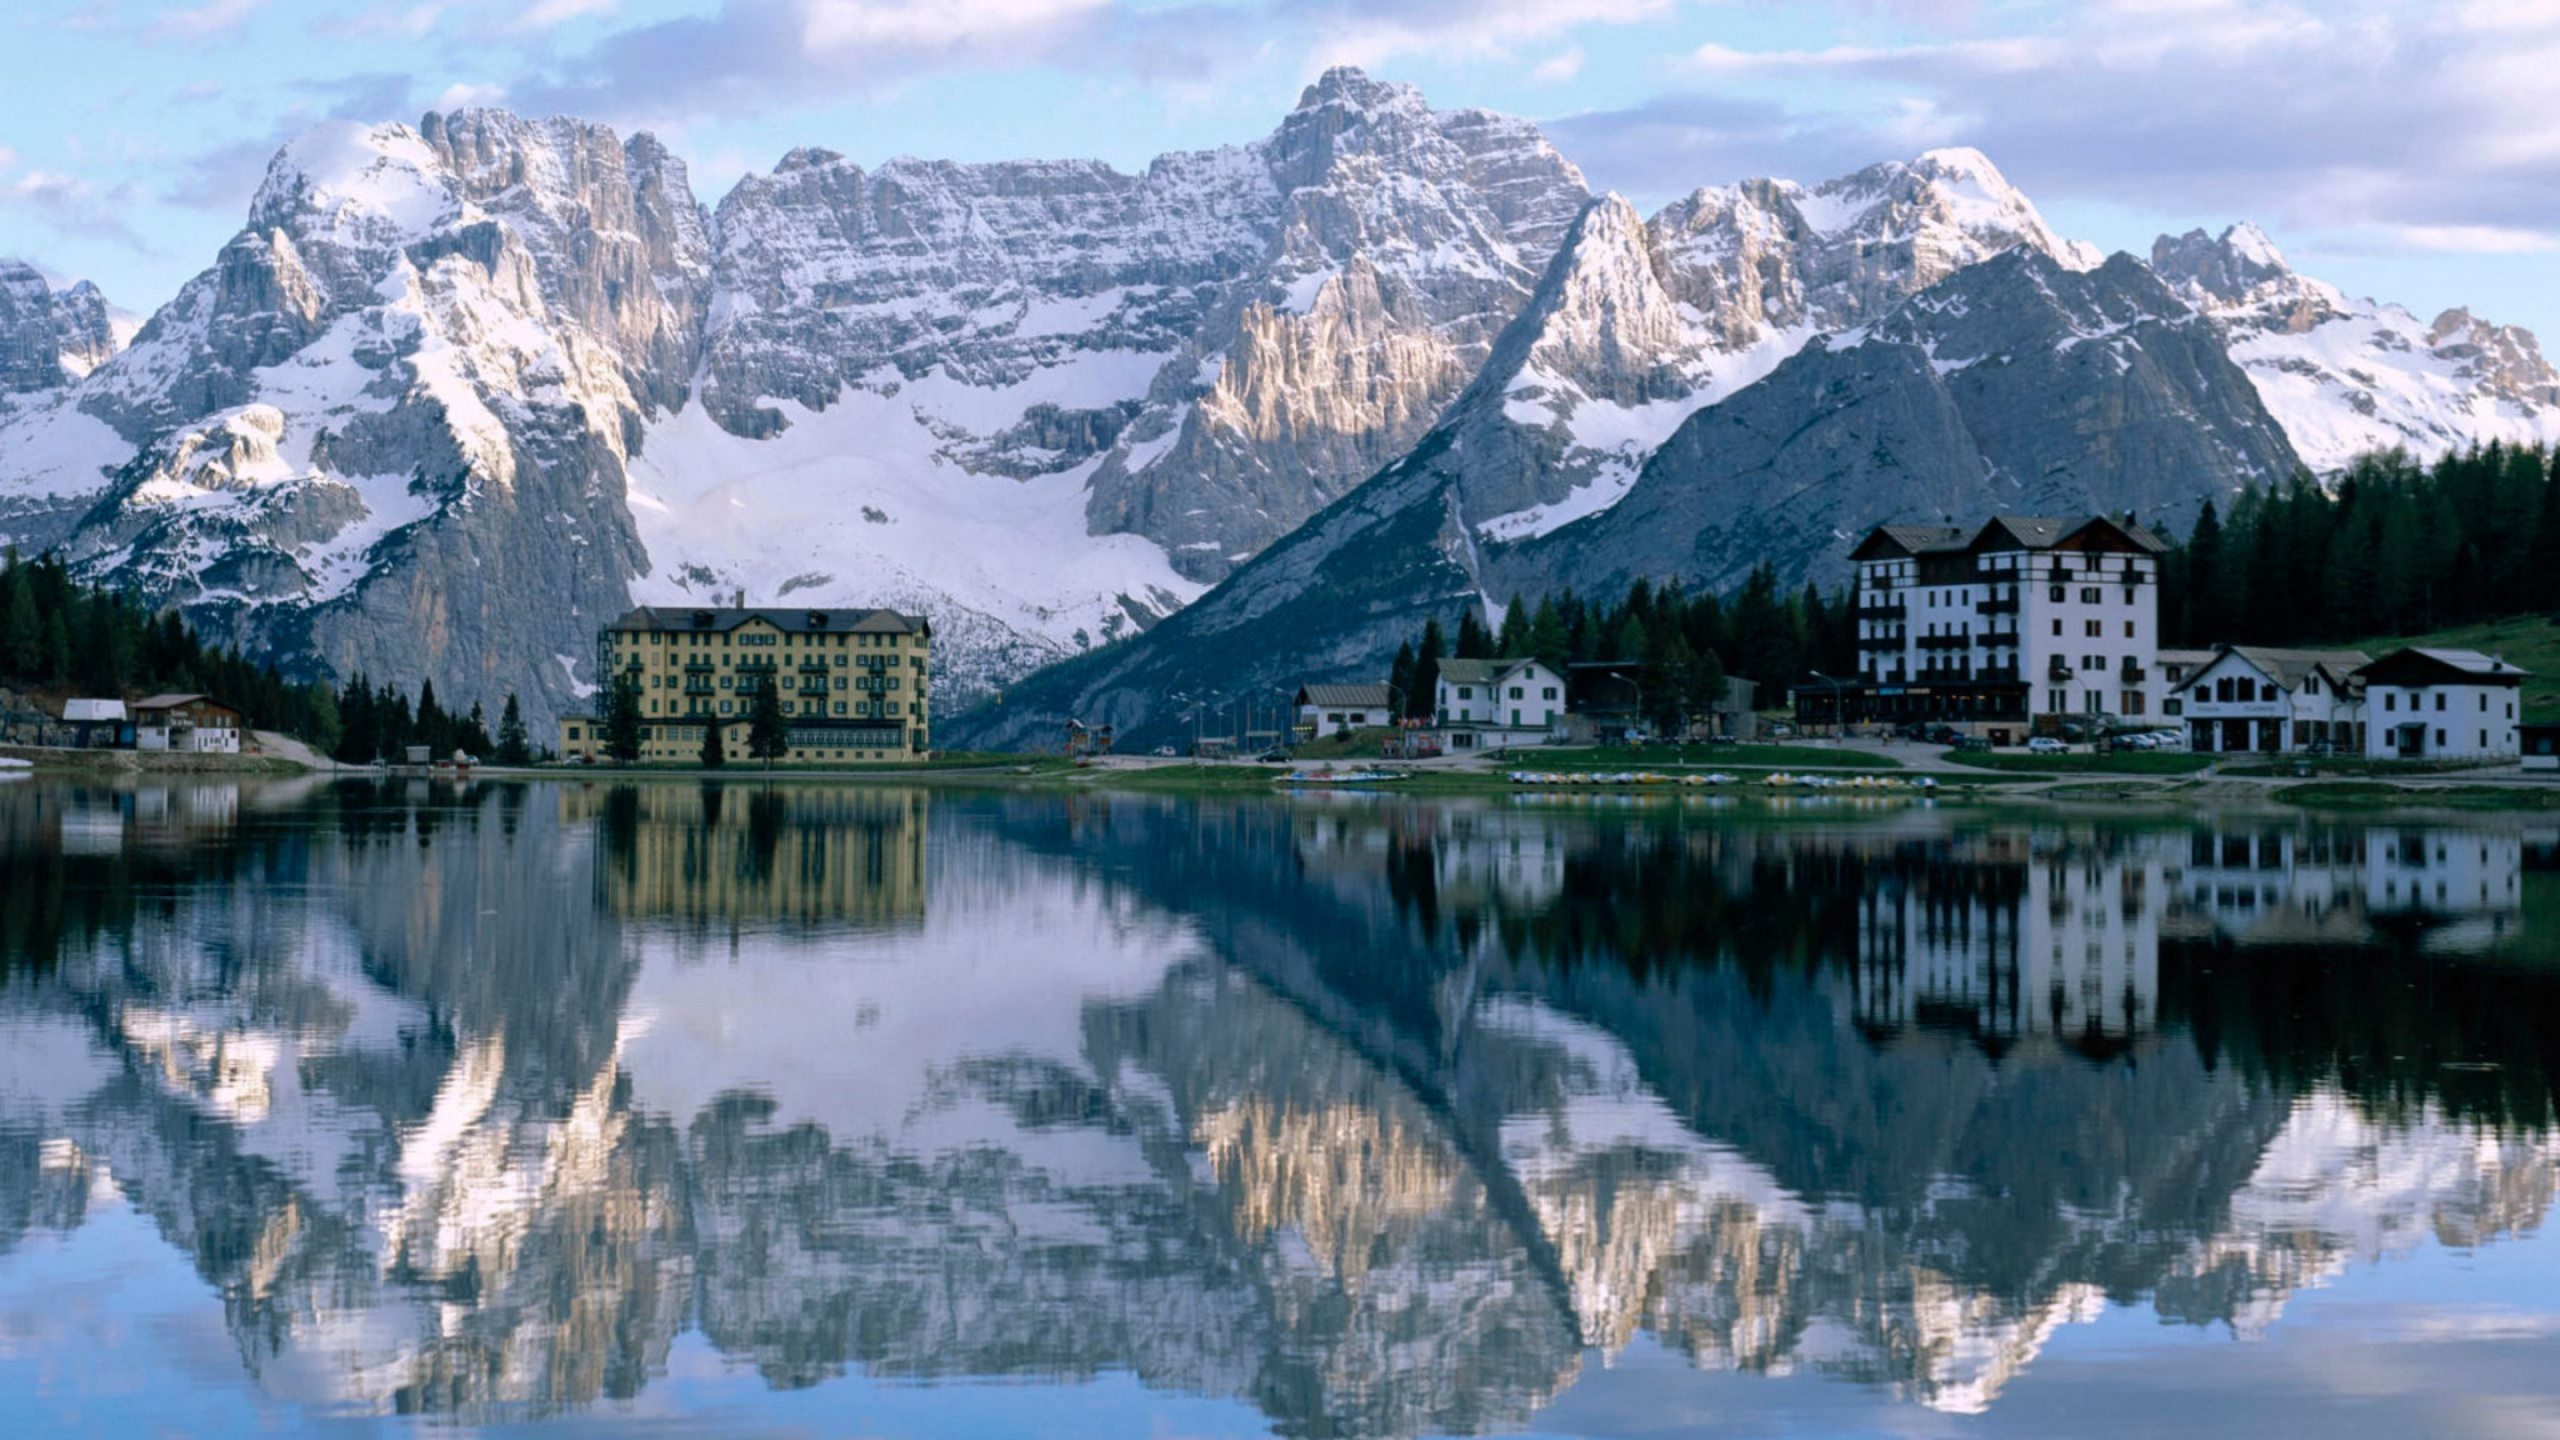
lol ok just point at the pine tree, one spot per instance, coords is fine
(1513, 641)
(767, 739)
(1400, 676)
(1475, 642)
(21, 633)
(1419, 700)
(55, 663)
(622, 719)
(712, 755)
(514, 747)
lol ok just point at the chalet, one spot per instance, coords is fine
(2253, 698)
(1324, 709)
(2015, 618)
(195, 724)
(2427, 704)
(1484, 703)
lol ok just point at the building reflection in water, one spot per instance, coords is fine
(1384, 1117)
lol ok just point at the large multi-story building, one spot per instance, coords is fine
(855, 686)
(2018, 617)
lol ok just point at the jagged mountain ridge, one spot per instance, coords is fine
(2349, 376)
(1944, 406)
(459, 391)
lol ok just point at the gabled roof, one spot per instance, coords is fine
(2009, 532)
(2420, 665)
(172, 702)
(1347, 697)
(1484, 672)
(2288, 667)
(710, 620)
(1887, 541)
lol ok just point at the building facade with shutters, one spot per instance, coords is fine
(2252, 698)
(2426, 704)
(2016, 618)
(855, 687)
(1482, 704)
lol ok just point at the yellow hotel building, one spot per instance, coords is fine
(855, 685)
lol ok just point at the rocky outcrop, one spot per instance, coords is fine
(49, 337)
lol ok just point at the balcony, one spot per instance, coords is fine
(2134, 674)
(1996, 607)
(1946, 642)
(1892, 611)
(697, 667)
(1998, 675)
(2059, 669)
(1880, 642)
(1998, 637)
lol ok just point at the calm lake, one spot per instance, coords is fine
(732, 1109)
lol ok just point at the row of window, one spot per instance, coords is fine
(864, 708)
(859, 682)
(1518, 692)
(767, 637)
(2391, 701)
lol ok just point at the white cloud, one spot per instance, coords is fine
(201, 22)
(1560, 67)
(2475, 239)
(548, 13)
(2425, 121)
(1377, 31)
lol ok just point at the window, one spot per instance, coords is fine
(2390, 700)
(2088, 594)
(2057, 594)
(2057, 625)
(2128, 629)
(1466, 692)
(2093, 629)
(1518, 694)
(1550, 693)
(2484, 704)
(2128, 594)
(2439, 699)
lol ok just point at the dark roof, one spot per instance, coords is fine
(2009, 532)
(172, 702)
(1349, 697)
(1472, 672)
(2423, 666)
(715, 620)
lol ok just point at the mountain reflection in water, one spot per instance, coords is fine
(1384, 1118)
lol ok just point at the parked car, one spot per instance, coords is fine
(1165, 752)
(1973, 742)
(2168, 739)
(1273, 757)
(2046, 745)
(2132, 740)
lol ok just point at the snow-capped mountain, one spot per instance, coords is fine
(2348, 376)
(458, 392)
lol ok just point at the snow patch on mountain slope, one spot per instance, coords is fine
(2348, 376)
(859, 505)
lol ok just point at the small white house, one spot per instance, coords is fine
(1481, 704)
(1324, 709)
(2442, 705)
(2252, 698)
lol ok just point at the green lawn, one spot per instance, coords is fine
(2122, 762)
(1709, 757)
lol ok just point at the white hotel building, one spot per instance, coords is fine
(2019, 617)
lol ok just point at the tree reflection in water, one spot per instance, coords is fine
(1383, 1117)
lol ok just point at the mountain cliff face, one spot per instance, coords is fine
(458, 392)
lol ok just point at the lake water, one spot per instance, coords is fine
(684, 1109)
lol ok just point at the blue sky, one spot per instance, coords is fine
(2403, 149)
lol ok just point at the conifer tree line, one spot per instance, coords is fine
(59, 634)
(2394, 547)
(1684, 644)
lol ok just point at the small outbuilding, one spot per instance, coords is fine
(97, 724)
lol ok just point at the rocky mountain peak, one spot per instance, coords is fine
(2227, 267)
(49, 337)
(1351, 88)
